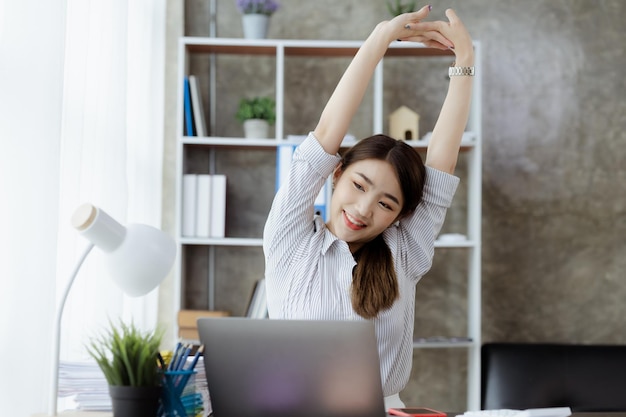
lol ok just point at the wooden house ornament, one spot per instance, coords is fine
(404, 124)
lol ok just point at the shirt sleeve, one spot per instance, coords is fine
(290, 222)
(415, 235)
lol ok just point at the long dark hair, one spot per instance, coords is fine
(374, 281)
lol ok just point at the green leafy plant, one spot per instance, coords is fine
(257, 108)
(128, 356)
(398, 7)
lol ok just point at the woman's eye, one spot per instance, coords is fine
(357, 186)
(385, 205)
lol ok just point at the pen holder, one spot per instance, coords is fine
(179, 397)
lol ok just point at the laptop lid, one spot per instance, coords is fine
(295, 368)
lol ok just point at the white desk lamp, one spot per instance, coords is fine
(138, 257)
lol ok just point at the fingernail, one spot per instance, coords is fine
(430, 7)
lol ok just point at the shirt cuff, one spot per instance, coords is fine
(311, 151)
(440, 187)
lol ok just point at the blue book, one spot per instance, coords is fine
(283, 162)
(187, 110)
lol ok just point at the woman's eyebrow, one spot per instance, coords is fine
(367, 180)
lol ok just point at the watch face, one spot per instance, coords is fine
(469, 71)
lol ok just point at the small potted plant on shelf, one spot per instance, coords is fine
(256, 114)
(128, 359)
(256, 15)
(398, 7)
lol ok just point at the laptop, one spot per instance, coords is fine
(295, 368)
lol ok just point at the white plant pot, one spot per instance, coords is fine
(255, 26)
(256, 129)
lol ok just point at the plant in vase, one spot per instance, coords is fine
(256, 114)
(256, 15)
(397, 7)
(128, 359)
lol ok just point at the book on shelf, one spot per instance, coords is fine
(197, 107)
(284, 155)
(188, 127)
(188, 322)
(257, 307)
(204, 206)
(218, 206)
(190, 192)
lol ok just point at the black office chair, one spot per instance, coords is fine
(589, 378)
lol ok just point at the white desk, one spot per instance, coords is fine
(78, 414)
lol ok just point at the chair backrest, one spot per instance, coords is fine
(530, 375)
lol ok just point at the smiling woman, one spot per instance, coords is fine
(385, 213)
(370, 188)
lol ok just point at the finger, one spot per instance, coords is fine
(415, 17)
(423, 12)
(430, 40)
(432, 30)
(451, 15)
(434, 44)
(439, 38)
(422, 27)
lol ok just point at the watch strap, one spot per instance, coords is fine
(460, 71)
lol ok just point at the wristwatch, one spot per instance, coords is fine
(454, 71)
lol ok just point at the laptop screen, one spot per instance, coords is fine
(300, 368)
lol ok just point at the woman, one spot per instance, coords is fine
(386, 210)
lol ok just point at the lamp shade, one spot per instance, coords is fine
(138, 257)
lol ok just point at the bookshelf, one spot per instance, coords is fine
(217, 153)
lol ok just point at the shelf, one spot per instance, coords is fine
(222, 241)
(252, 242)
(468, 142)
(301, 47)
(443, 343)
(223, 256)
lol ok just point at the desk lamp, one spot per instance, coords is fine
(138, 257)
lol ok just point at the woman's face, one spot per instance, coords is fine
(367, 199)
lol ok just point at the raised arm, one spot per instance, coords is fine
(345, 100)
(443, 148)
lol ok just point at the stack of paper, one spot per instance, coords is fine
(82, 386)
(85, 383)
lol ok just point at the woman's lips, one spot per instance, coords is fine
(351, 222)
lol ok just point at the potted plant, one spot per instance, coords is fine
(128, 359)
(256, 14)
(256, 114)
(397, 7)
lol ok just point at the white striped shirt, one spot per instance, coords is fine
(309, 270)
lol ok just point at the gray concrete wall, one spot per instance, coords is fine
(554, 176)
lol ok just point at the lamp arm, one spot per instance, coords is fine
(54, 374)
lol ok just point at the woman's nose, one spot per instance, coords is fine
(364, 207)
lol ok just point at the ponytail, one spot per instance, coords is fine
(374, 282)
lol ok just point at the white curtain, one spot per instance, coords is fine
(111, 150)
(80, 120)
(31, 50)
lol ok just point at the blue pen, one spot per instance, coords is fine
(183, 358)
(194, 361)
(174, 358)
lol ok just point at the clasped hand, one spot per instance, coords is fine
(435, 34)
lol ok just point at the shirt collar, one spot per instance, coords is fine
(329, 237)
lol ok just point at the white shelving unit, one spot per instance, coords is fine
(280, 49)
